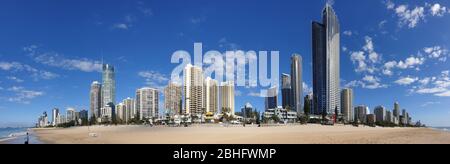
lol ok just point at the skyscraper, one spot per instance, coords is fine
(121, 112)
(95, 99)
(109, 85)
(130, 110)
(380, 113)
(361, 113)
(397, 110)
(347, 104)
(211, 95)
(173, 98)
(326, 62)
(271, 100)
(309, 101)
(227, 97)
(297, 83)
(70, 113)
(147, 103)
(55, 115)
(286, 91)
(193, 90)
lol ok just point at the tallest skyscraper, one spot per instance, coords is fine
(109, 85)
(326, 62)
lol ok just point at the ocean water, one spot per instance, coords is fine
(445, 129)
(17, 136)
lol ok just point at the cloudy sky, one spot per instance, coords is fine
(51, 51)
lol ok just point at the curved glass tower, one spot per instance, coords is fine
(326, 63)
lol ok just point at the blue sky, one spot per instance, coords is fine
(51, 51)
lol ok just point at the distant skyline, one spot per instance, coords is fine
(52, 51)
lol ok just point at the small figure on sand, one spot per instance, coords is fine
(27, 140)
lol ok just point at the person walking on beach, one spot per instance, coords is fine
(27, 139)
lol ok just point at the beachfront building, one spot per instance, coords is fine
(83, 117)
(120, 111)
(249, 113)
(130, 110)
(271, 99)
(42, 121)
(397, 110)
(55, 114)
(361, 113)
(389, 117)
(173, 98)
(109, 85)
(193, 90)
(107, 113)
(380, 113)
(211, 96)
(148, 99)
(347, 104)
(280, 114)
(70, 114)
(286, 91)
(227, 97)
(326, 62)
(95, 101)
(297, 83)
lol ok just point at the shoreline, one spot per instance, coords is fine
(217, 134)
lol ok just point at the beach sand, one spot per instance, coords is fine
(215, 134)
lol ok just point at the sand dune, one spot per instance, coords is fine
(215, 134)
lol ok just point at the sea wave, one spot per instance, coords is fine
(445, 129)
(12, 135)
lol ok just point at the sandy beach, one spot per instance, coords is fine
(215, 134)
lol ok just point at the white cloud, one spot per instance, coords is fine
(367, 58)
(121, 26)
(22, 95)
(153, 75)
(411, 62)
(56, 60)
(197, 20)
(359, 58)
(31, 71)
(6, 66)
(387, 68)
(368, 82)
(438, 86)
(406, 80)
(16, 79)
(436, 52)
(438, 10)
(413, 16)
(382, 24)
(410, 17)
(144, 9)
(348, 33)
(444, 94)
(425, 81)
(430, 90)
(369, 45)
(307, 89)
(154, 79)
(430, 103)
(389, 4)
